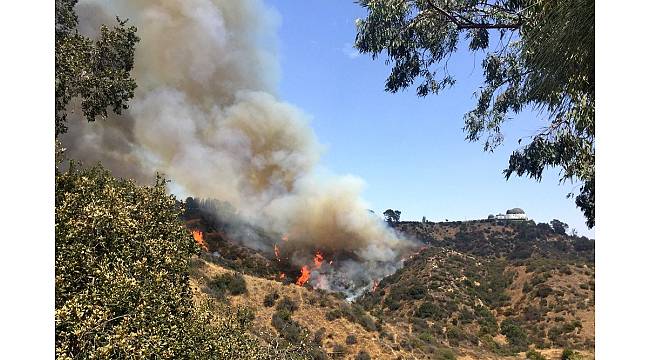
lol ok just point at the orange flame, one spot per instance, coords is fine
(304, 276)
(198, 237)
(276, 249)
(318, 259)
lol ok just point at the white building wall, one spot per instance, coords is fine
(511, 217)
(516, 217)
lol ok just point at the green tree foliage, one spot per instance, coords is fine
(430, 310)
(538, 54)
(97, 71)
(559, 227)
(392, 216)
(122, 276)
(517, 337)
(122, 252)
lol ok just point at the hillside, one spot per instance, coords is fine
(473, 291)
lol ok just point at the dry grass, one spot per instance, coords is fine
(309, 314)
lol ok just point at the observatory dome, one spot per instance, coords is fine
(515, 211)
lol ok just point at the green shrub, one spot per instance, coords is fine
(445, 354)
(487, 321)
(543, 291)
(517, 337)
(270, 298)
(426, 337)
(362, 355)
(366, 322)
(391, 303)
(353, 313)
(286, 304)
(465, 316)
(287, 328)
(318, 336)
(455, 335)
(429, 310)
(534, 355)
(232, 283)
(122, 257)
(338, 351)
(417, 292)
(333, 314)
(568, 354)
(280, 316)
(317, 354)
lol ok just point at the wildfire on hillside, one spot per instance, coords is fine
(318, 259)
(198, 237)
(276, 250)
(304, 276)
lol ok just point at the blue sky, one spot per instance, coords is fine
(410, 151)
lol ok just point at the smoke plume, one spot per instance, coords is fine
(207, 116)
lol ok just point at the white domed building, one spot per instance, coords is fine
(513, 214)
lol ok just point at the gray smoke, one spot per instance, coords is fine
(206, 115)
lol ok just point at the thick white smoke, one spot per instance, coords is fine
(206, 115)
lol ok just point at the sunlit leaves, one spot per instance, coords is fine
(96, 71)
(539, 55)
(122, 277)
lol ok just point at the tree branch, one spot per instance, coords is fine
(468, 24)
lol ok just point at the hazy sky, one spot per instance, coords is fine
(410, 151)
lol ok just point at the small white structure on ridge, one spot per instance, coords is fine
(512, 214)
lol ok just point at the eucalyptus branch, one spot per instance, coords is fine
(469, 24)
